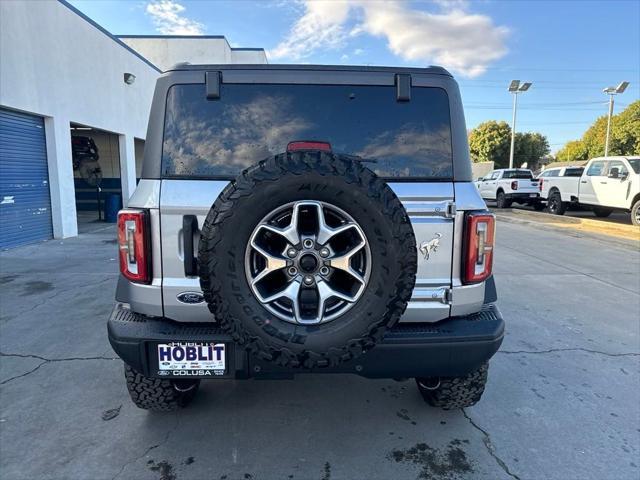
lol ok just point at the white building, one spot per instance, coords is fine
(63, 75)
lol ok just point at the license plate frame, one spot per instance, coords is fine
(176, 359)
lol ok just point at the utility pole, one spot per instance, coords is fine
(611, 91)
(515, 88)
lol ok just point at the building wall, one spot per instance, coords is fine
(58, 64)
(166, 51)
(480, 169)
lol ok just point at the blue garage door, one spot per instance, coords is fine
(25, 205)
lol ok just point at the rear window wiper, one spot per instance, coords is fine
(358, 158)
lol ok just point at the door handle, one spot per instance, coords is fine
(583, 181)
(189, 228)
(603, 183)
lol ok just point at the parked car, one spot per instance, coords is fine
(508, 185)
(606, 184)
(286, 223)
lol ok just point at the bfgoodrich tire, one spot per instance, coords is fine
(159, 395)
(307, 177)
(454, 392)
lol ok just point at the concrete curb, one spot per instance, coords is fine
(626, 235)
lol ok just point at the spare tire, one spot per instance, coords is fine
(307, 258)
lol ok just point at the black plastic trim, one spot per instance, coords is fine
(213, 81)
(490, 292)
(452, 347)
(189, 228)
(403, 87)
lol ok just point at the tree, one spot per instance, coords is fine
(573, 151)
(624, 138)
(530, 148)
(490, 142)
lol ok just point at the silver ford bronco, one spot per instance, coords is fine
(295, 219)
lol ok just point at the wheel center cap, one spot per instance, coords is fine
(308, 263)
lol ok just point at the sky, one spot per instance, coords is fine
(570, 50)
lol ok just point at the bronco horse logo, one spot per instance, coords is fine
(431, 246)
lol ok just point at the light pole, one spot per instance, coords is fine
(611, 91)
(515, 87)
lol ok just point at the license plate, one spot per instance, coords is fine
(191, 359)
(532, 195)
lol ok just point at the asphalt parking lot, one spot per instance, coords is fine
(562, 400)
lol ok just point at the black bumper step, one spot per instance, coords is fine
(450, 347)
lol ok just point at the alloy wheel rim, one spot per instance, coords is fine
(308, 262)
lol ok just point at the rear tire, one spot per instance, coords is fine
(454, 392)
(159, 395)
(501, 201)
(635, 214)
(555, 205)
(602, 212)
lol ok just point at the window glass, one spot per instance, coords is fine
(554, 173)
(596, 169)
(622, 169)
(574, 172)
(521, 174)
(249, 123)
(635, 164)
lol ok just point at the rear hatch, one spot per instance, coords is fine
(522, 181)
(207, 142)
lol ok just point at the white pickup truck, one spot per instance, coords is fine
(604, 185)
(509, 185)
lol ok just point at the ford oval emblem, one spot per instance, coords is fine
(191, 298)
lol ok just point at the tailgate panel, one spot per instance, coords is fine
(429, 208)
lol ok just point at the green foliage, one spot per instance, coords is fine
(572, 151)
(490, 142)
(530, 148)
(625, 137)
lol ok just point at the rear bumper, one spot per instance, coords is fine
(523, 196)
(452, 347)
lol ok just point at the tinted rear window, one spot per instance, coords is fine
(574, 172)
(522, 174)
(219, 138)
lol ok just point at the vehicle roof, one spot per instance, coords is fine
(618, 157)
(433, 70)
(562, 167)
(512, 169)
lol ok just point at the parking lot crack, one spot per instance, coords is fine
(149, 449)
(486, 439)
(44, 361)
(571, 349)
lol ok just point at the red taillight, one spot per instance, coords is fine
(480, 231)
(540, 182)
(133, 245)
(514, 185)
(308, 145)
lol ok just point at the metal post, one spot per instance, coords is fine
(513, 128)
(606, 142)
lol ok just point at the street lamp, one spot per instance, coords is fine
(515, 87)
(611, 91)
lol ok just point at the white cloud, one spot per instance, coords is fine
(452, 36)
(168, 19)
(321, 26)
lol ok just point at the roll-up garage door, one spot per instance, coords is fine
(25, 205)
